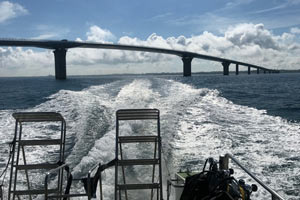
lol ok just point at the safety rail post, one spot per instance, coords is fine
(100, 186)
(89, 192)
(168, 189)
(1, 192)
(275, 195)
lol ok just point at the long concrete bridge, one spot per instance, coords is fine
(60, 50)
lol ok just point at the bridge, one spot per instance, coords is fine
(60, 50)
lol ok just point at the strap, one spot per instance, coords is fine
(94, 180)
(69, 183)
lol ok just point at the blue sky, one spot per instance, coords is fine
(264, 28)
(72, 18)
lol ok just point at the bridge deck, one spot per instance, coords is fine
(61, 46)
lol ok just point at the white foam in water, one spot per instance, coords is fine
(195, 124)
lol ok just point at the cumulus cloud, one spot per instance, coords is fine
(250, 34)
(97, 34)
(10, 10)
(25, 62)
(251, 43)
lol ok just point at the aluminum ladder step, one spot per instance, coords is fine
(131, 162)
(36, 166)
(38, 116)
(135, 139)
(33, 192)
(138, 186)
(40, 142)
(137, 114)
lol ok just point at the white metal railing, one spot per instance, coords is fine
(225, 161)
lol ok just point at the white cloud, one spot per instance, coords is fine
(295, 30)
(210, 21)
(10, 10)
(285, 4)
(274, 14)
(50, 32)
(236, 3)
(97, 34)
(250, 34)
(23, 62)
(160, 17)
(251, 43)
(293, 2)
(45, 36)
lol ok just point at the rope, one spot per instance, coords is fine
(3, 174)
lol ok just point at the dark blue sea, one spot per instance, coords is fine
(254, 117)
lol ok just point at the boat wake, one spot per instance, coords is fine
(195, 124)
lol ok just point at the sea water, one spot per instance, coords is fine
(254, 117)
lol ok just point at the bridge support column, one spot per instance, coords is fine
(257, 70)
(226, 68)
(237, 69)
(249, 70)
(60, 63)
(187, 65)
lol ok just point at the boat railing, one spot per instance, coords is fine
(224, 162)
(57, 170)
(59, 194)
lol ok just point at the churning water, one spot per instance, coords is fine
(256, 118)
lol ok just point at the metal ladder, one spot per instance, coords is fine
(156, 183)
(18, 154)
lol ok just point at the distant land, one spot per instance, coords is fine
(218, 72)
(166, 73)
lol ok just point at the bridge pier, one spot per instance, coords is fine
(237, 69)
(257, 70)
(249, 70)
(187, 65)
(60, 63)
(226, 68)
